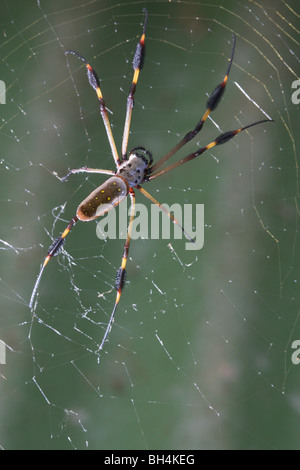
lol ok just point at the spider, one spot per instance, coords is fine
(134, 169)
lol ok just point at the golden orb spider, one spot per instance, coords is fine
(132, 170)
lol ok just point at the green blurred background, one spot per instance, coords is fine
(200, 354)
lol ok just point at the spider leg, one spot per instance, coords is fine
(95, 83)
(212, 103)
(84, 169)
(138, 62)
(175, 221)
(221, 139)
(53, 250)
(121, 273)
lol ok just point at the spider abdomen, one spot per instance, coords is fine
(102, 199)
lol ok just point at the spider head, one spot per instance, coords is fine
(144, 154)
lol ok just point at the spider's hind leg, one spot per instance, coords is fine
(53, 250)
(121, 273)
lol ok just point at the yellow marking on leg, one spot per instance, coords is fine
(99, 94)
(206, 114)
(46, 260)
(136, 76)
(65, 233)
(212, 144)
(118, 297)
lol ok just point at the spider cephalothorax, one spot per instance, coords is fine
(134, 169)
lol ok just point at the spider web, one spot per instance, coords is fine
(200, 352)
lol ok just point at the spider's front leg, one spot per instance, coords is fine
(138, 62)
(211, 104)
